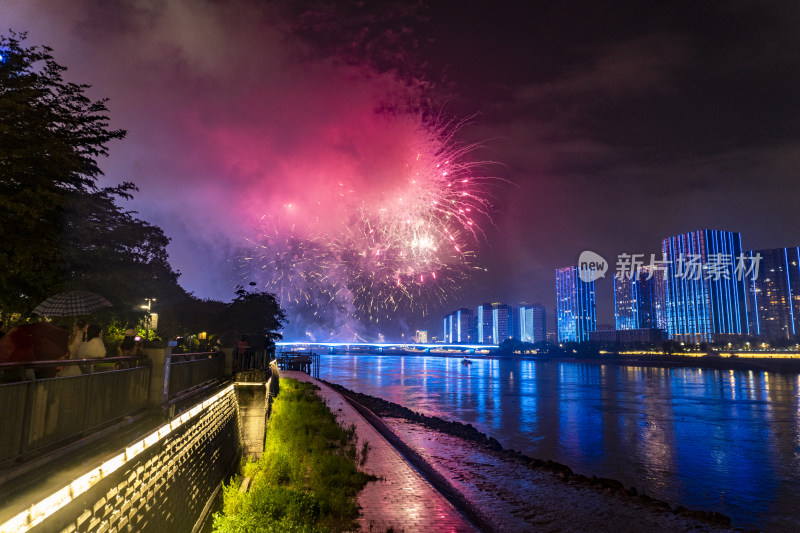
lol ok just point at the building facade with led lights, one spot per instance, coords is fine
(532, 323)
(640, 299)
(575, 306)
(495, 323)
(774, 294)
(705, 302)
(458, 327)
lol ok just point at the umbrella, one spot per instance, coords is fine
(71, 303)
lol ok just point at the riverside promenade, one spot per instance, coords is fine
(401, 499)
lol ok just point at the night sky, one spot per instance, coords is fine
(609, 125)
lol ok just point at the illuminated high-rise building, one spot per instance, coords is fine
(525, 322)
(532, 323)
(775, 294)
(495, 323)
(636, 303)
(457, 326)
(626, 313)
(706, 294)
(483, 324)
(575, 306)
(539, 323)
(658, 296)
(504, 322)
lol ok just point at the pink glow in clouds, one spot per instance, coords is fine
(231, 119)
(392, 236)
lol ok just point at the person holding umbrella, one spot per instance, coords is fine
(77, 337)
(93, 348)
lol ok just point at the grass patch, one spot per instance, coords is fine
(307, 480)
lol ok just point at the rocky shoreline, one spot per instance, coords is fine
(399, 419)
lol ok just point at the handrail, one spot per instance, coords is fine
(69, 362)
(193, 356)
(187, 371)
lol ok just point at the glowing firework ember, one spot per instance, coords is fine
(388, 246)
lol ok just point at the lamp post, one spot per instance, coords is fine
(147, 323)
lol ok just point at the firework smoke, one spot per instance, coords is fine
(394, 236)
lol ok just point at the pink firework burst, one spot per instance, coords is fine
(398, 235)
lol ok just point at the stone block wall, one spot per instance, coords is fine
(165, 486)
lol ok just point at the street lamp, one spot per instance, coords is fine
(149, 316)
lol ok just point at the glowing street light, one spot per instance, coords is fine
(149, 316)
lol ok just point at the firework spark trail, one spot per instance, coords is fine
(401, 250)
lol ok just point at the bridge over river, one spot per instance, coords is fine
(393, 348)
(128, 444)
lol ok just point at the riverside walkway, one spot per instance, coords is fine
(401, 499)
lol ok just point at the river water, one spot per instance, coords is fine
(727, 441)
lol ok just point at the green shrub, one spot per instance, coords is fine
(307, 480)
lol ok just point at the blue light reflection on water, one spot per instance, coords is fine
(721, 440)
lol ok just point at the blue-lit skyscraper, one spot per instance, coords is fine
(457, 326)
(636, 299)
(706, 294)
(484, 324)
(525, 323)
(495, 323)
(539, 323)
(626, 314)
(532, 323)
(775, 294)
(575, 306)
(504, 322)
(658, 297)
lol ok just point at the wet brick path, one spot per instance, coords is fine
(401, 499)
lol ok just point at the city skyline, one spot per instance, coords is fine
(704, 287)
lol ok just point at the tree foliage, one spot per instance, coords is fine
(256, 312)
(51, 136)
(109, 251)
(59, 230)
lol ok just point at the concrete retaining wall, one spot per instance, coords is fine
(163, 482)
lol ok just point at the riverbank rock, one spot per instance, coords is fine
(561, 473)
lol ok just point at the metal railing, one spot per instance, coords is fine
(191, 370)
(304, 361)
(39, 413)
(31, 370)
(251, 359)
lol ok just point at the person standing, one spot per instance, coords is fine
(242, 350)
(76, 338)
(93, 348)
(130, 347)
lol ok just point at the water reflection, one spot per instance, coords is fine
(713, 439)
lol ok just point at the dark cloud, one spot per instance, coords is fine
(615, 123)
